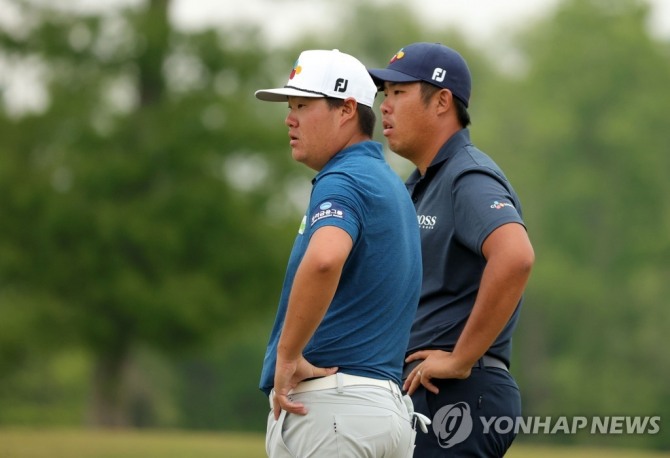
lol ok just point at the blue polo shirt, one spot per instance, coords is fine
(461, 199)
(366, 328)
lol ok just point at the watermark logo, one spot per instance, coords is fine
(615, 425)
(452, 424)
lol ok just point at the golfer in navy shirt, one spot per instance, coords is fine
(476, 253)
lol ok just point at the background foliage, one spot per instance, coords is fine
(148, 205)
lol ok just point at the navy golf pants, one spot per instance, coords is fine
(474, 417)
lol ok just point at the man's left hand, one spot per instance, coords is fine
(437, 364)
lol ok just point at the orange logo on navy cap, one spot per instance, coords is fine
(399, 55)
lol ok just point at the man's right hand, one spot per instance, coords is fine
(287, 376)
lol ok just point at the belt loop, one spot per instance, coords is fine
(395, 389)
(480, 363)
(340, 382)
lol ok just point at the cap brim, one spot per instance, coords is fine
(282, 94)
(381, 75)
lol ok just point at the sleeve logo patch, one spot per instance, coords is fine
(498, 205)
(326, 210)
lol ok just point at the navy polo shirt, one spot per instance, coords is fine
(462, 198)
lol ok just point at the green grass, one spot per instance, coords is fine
(21, 443)
(532, 451)
(55, 443)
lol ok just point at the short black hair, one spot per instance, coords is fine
(427, 91)
(366, 115)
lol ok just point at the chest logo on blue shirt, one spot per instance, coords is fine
(326, 210)
(498, 205)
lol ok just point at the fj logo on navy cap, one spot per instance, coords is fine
(433, 63)
(439, 74)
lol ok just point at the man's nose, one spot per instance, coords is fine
(290, 121)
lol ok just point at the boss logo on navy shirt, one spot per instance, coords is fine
(326, 210)
(426, 221)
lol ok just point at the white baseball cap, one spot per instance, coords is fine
(321, 73)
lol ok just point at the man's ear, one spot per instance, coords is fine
(445, 100)
(349, 107)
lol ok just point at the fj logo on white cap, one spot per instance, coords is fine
(341, 85)
(321, 73)
(439, 74)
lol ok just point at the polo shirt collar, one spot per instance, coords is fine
(449, 149)
(365, 148)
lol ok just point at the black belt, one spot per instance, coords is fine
(484, 361)
(492, 361)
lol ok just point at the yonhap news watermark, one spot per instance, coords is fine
(454, 423)
(572, 425)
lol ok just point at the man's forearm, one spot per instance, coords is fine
(310, 297)
(509, 261)
(313, 289)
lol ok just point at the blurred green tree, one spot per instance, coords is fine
(585, 144)
(146, 202)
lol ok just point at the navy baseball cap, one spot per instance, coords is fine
(433, 63)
